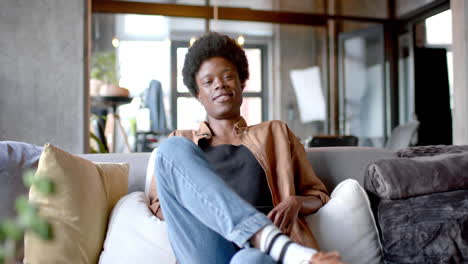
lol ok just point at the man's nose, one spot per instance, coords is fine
(219, 83)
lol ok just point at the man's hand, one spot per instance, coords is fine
(326, 258)
(159, 214)
(285, 214)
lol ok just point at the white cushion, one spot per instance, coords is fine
(135, 235)
(346, 224)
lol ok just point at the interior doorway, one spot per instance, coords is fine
(425, 76)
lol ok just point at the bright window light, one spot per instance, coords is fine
(439, 29)
(142, 27)
(143, 61)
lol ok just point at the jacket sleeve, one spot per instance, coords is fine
(154, 204)
(306, 181)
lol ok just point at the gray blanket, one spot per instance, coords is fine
(425, 229)
(398, 178)
(431, 150)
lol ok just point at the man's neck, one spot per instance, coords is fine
(223, 127)
(223, 130)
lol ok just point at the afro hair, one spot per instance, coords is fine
(213, 45)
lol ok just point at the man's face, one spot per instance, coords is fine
(220, 90)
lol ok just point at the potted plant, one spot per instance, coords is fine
(104, 75)
(27, 219)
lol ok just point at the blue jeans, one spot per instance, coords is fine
(206, 219)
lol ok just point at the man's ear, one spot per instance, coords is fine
(243, 86)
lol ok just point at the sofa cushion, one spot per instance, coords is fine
(135, 235)
(78, 210)
(399, 178)
(346, 224)
(15, 158)
(425, 229)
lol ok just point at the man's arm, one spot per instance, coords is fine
(286, 212)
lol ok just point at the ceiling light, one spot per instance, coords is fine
(115, 42)
(241, 40)
(192, 40)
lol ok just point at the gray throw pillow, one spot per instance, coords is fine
(15, 158)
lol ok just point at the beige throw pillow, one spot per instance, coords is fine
(79, 209)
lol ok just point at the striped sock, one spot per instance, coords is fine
(282, 249)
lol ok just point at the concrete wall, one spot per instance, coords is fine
(42, 94)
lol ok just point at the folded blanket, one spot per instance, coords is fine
(431, 150)
(399, 178)
(425, 229)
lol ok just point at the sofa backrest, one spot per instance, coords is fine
(331, 164)
(137, 161)
(335, 164)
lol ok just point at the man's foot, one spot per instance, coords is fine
(281, 248)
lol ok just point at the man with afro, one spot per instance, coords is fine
(229, 192)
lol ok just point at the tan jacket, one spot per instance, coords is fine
(284, 161)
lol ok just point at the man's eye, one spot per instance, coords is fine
(227, 76)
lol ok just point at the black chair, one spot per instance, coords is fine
(333, 141)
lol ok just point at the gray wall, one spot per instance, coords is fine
(42, 94)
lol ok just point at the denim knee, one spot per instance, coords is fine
(174, 150)
(176, 146)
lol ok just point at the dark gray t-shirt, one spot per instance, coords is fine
(239, 168)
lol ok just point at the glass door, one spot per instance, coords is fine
(362, 86)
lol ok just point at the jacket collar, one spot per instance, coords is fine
(204, 131)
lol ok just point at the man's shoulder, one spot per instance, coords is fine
(272, 124)
(183, 133)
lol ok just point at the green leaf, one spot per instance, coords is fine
(22, 204)
(28, 178)
(27, 217)
(2, 255)
(104, 67)
(44, 185)
(42, 228)
(12, 230)
(2, 235)
(102, 148)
